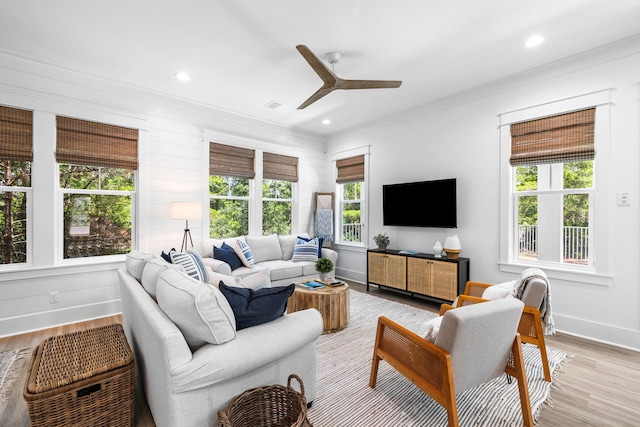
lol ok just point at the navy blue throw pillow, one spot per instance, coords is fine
(228, 255)
(255, 307)
(167, 256)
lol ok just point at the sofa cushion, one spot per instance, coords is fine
(283, 269)
(244, 253)
(259, 280)
(215, 278)
(255, 307)
(135, 262)
(227, 254)
(199, 310)
(152, 270)
(305, 250)
(288, 242)
(209, 244)
(192, 264)
(265, 248)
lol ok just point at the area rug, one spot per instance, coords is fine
(10, 368)
(344, 397)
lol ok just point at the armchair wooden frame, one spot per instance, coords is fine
(530, 327)
(430, 367)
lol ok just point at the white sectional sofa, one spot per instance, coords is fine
(187, 386)
(274, 252)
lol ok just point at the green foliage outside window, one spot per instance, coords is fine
(13, 211)
(228, 206)
(96, 224)
(277, 206)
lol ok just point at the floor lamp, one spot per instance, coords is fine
(186, 211)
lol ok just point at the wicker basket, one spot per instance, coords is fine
(85, 378)
(269, 406)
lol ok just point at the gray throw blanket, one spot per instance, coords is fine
(545, 305)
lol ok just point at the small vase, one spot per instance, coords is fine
(322, 276)
(437, 249)
(452, 246)
(382, 248)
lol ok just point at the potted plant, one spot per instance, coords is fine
(382, 240)
(324, 266)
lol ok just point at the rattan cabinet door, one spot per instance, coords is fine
(444, 280)
(387, 270)
(419, 276)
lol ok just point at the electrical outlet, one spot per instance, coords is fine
(623, 199)
(54, 297)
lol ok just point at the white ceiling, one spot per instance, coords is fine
(241, 54)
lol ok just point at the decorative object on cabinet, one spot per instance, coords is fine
(437, 249)
(452, 246)
(382, 240)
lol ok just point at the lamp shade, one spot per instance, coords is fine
(186, 210)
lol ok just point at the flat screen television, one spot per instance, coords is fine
(420, 204)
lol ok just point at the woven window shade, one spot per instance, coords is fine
(225, 160)
(351, 169)
(279, 167)
(16, 134)
(80, 142)
(562, 138)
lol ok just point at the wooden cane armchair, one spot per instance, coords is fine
(474, 345)
(530, 327)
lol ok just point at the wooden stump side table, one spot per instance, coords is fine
(331, 301)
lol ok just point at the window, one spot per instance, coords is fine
(230, 172)
(16, 155)
(277, 205)
(350, 181)
(551, 197)
(97, 164)
(279, 174)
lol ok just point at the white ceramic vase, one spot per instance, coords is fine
(452, 246)
(437, 249)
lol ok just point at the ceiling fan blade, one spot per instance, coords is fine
(368, 84)
(318, 66)
(316, 96)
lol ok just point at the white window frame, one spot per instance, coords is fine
(124, 193)
(29, 195)
(364, 199)
(598, 272)
(278, 200)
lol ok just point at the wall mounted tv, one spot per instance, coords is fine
(420, 204)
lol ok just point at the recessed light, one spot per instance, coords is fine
(326, 122)
(182, 76)
(534, 41)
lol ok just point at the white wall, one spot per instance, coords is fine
(173, 167)
(459, 137)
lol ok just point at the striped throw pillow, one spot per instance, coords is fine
(244, 253)
(192, 264)
(305, 250)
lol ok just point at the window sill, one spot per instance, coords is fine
(66, 267)
(559, 273)
(356, 247)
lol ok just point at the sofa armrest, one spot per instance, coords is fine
(256, 347)
(330, 254)
(217, 266)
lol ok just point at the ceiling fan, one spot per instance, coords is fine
(333, 82)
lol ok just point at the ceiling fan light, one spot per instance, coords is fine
(182, 76)
(534, 41)
(326, 122)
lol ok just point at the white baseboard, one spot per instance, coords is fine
(49, 319)
(606, 334)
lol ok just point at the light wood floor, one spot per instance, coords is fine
(598, 386)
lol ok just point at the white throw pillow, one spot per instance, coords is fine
(199, 310)
(499, 291)
(215, 278)
(259, 280)
(431, 328)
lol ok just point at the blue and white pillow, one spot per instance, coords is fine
(305, 250)
(244, 253)
(191, 263)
